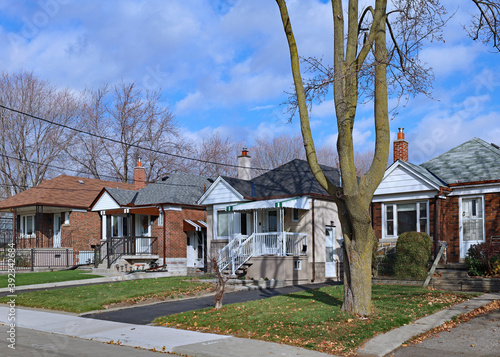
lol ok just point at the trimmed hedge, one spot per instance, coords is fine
(413, 253)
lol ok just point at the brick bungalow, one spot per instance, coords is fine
(161, 220)
(454, 197)
(55, 213)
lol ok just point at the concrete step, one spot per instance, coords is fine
(452, 273)
(453, 266)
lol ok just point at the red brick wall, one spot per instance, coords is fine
(84, 230)
(176, 239)
(492, 214)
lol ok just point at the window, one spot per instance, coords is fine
(295, 215)
(27, 224)
(119, 226)
(243, 223)
(223, 223)
(297, 265)
(405, 217)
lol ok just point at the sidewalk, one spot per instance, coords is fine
(148, 337)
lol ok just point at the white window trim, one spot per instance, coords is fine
(395, 217)
(460, 217)
(23, 219)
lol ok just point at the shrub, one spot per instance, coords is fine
(413, 252)
(483, 259)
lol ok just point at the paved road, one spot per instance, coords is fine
(477, 337)
(44, 344)
(143, 315)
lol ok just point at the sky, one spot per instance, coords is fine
(223, 65)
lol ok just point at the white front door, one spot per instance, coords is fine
(330, 252)
(471, 222)
(142, 229)
(194, 253)
(57, 230)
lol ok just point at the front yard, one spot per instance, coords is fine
(46, 277)
(312, 319)
(99, 297)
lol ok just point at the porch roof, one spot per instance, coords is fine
(294, 202)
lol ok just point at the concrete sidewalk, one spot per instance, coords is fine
(147, 337)
(388, 342)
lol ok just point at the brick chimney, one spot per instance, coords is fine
(139, 176)
(244, 165)
(401, 147)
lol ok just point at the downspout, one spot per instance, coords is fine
(164, 237)
(313, 243)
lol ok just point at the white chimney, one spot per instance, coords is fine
(244, 165)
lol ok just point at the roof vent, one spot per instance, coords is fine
(81, 182)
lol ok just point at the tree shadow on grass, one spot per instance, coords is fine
(319, 296)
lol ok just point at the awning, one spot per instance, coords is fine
(194, 225)
(295, 202)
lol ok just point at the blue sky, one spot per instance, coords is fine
(224, 65)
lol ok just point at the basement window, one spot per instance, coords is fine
(297, 265)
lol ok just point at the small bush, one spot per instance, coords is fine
(413, 252)
(483, 259)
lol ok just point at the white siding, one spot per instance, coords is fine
(401, 180)
(105, 202)
(222, 193)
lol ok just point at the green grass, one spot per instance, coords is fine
(46, 277)
(312, 319)
(99, 297)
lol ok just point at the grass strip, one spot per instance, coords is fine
(98, 297)
(46, 277)
(313, 319)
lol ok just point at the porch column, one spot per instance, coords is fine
(282, 231)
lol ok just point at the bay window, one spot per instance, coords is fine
(405, 217)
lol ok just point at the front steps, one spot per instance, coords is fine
(454, 277)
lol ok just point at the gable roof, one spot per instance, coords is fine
(473, 161)
(61, 191)
(177, 188)
(291, 179)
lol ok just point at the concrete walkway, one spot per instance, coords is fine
(147, 337)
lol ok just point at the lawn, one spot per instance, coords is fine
(312, 319)
(99, 297)
(46, 277)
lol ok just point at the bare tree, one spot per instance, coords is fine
(217, 155)
(269, 153)
(140, 125)
(366, 67)
(28, 145)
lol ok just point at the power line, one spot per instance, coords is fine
(124, 143)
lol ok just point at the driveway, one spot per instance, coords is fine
(479, 336)
(143, 315)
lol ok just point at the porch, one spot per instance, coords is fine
(133, 249)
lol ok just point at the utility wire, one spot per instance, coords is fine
(124, 143)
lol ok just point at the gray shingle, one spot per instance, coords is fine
(473, 161)
(291, 179)
(122, 197)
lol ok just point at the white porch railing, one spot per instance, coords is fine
(239, 250)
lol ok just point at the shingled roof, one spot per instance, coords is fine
(176, 188)
(61, 191)
(473, 161)
(291, 179)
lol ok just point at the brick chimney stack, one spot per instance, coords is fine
(244, 165)
(139, 176)
(401, 147)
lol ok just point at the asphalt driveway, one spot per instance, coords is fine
(143, 315)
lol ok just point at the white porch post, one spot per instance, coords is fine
(282, 231)
(254, 231)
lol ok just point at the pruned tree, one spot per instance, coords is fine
(368, 67)
(28, 146)
(140, 125)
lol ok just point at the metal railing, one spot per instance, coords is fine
(239, 250)
(115, 247)
(29, 259)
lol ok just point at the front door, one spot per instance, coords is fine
(330, 252)
(142, 230)
(194, 252)
(471, 223)
(57, 230)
